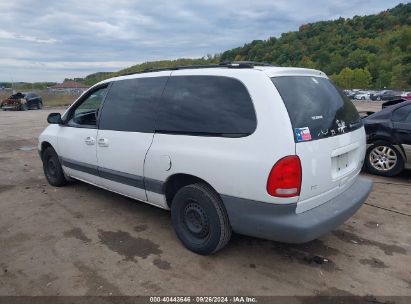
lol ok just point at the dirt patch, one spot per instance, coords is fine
(150, 286)
(374, 263)
(128, 246)
(161, 264)
(372, 224)
(10, 145)
(96, 284)
(18, 238)
(314, 254)
(4, 188)
(140, 228)
(352, 238)
(78, 234)
(332, 291)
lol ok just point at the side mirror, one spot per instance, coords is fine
(54, 118)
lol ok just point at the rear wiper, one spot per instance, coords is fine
(192, 133)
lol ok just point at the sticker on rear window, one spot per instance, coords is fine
(303, 134)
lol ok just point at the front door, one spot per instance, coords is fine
(78, 135)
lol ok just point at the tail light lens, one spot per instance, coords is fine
(285, 177)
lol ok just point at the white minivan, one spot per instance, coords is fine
(264, 151)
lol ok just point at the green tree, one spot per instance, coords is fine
(362, 78)
(349, 79)
(351, 50)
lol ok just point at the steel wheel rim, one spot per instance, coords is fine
(195, 220)
(383, 158)
(51, 168)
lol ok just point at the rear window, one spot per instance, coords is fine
(206, 105)
(317, 109)
(402, 114)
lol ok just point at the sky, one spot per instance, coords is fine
(51, 40)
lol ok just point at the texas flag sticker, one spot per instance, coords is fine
(303, 134)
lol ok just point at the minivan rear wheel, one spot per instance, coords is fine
(52, 168)
(200, 219)
(383, 159)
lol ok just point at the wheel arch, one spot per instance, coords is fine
(176, 181)
(44, 146)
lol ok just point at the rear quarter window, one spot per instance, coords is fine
(317, 109)
(206, 105)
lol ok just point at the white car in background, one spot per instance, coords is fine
(362, 96)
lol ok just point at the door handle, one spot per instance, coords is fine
(103, 142)
(90, 140)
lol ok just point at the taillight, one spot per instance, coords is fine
(285, 177)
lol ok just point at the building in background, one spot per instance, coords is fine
(68, 86)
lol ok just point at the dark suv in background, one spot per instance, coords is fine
(22, 102)
(385, 95)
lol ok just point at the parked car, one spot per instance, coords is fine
(22, 102)
(389, 139)
(406, 95)
(385, 95)
(362, 96)
(350, 94)
(264, 151)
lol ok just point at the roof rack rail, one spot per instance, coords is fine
(224, 64)
(250, 64)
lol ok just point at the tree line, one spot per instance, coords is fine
(361, 52)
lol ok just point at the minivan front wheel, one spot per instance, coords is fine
(199, 219)
(52, 168)
(383, 159)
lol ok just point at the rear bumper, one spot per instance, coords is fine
(281, 223)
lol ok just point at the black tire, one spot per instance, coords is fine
(39, 105)
(52, 168)
(24, 107)
(200, 219)
(370, 157)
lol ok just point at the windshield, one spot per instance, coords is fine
(317, 108)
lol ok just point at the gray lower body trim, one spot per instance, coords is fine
(122, 178)
(115, 176)
(154, 185)
(281, 223)
(79, 166)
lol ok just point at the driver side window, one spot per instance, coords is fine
(85, 114)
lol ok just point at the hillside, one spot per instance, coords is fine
(364, 51)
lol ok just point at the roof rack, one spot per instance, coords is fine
(224, 64)
(246, 64)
